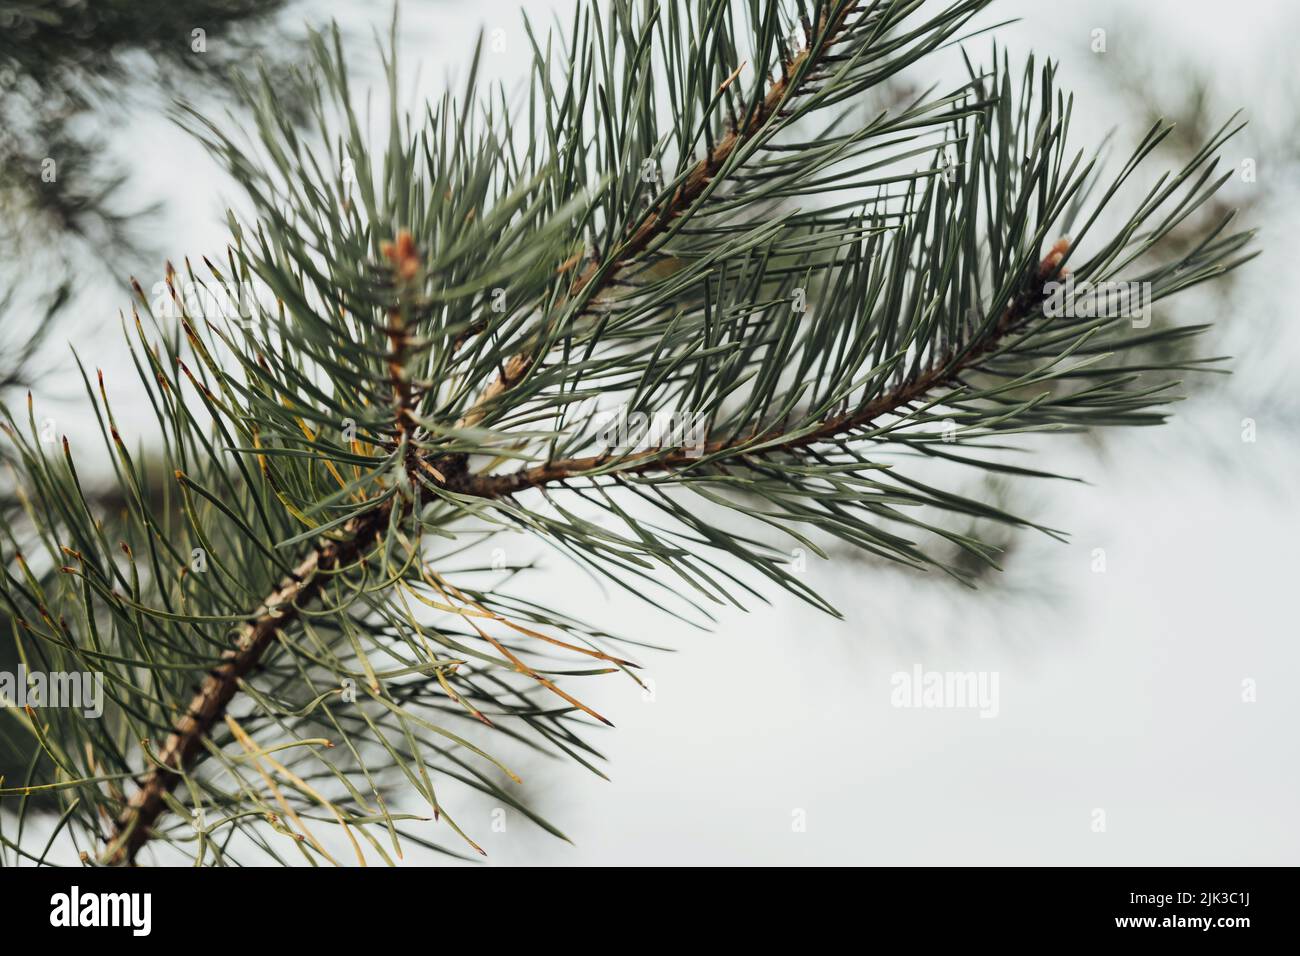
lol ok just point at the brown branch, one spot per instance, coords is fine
(654, 222)
(134, 826)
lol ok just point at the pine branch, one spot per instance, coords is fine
(209, 705)
(183, 747)
(283, 607)
(461, 305)
(280, 609)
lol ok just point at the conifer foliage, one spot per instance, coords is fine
(695, 213)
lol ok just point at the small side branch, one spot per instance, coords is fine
(597, 275)
(940, 373)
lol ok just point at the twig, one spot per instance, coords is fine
(281, 609)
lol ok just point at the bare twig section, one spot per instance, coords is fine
(654, 222)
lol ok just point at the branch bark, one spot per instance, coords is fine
(133, 827)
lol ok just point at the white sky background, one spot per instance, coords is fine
(1119, 691)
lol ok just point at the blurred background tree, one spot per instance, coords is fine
(68, 69)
